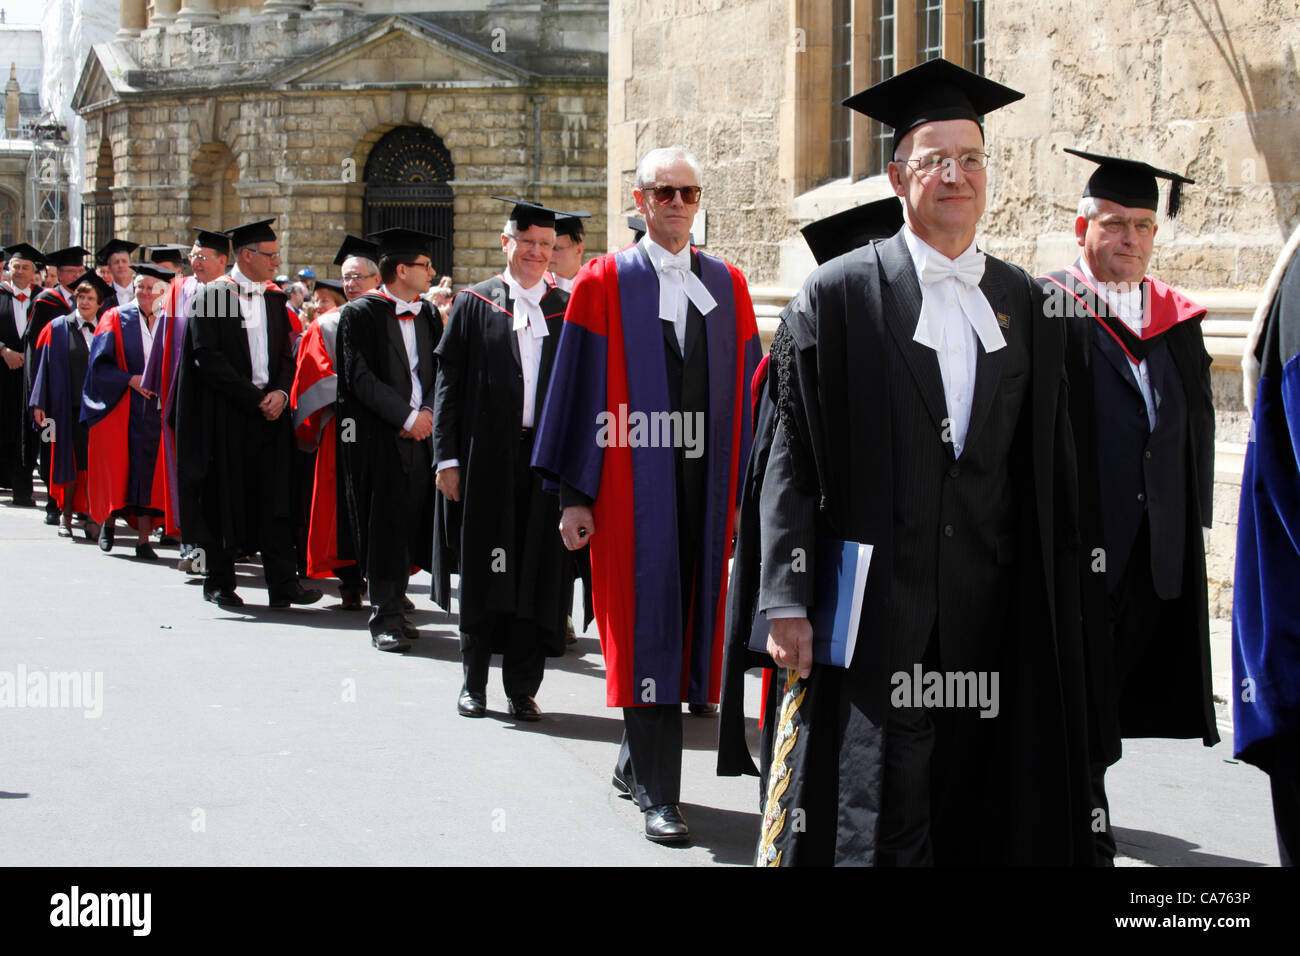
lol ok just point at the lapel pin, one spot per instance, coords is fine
(1004, 320)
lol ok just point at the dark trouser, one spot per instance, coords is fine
(387, 613)
(905, 813)
(1139, 618)
(650, 756)
(523, 661)
(278, 565)
(387, 590)
(20, 476)
(350, 579)
(1286, 814)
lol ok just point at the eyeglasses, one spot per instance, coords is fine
(664, 194)
(200, 257)
(273, 256)
(417, 265)
(358, 277)
(545, 245)
(966, 162)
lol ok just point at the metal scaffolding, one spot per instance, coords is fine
(47, 184)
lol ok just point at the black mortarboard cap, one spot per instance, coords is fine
(71, 256)
(156, 272)
(105, 290)
(251, 233)
(845, 231)
(1131, 183)
(356, 246)
(22, 250)
(403, 242)
(570, 224)
(932, 91)
(637, 225)
(168, 253)
(112, 246)
(527, 214)
(212, 239)
(334, 285)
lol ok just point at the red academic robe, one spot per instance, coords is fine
(315, 386)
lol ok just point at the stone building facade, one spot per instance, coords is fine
(1206, 89)
(333, 121)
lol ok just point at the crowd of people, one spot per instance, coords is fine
(954, 516)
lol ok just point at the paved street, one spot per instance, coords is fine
(283, 738)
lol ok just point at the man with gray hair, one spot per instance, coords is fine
(657, 504)
(1142, 410)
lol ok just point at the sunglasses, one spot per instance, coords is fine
(664, 194)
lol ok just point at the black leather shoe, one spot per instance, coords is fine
(299, 595)
(27, 502)
(106, 537)
(664, 824)
(145, 552)
(407, 603)
(471, 705)
(223, 597)
(523, 708)
(621, 783)
(389, 641)
(410, 631)
(51, 517)
(704, 710)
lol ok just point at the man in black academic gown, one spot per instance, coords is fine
(921, 411)
(16, 298)
(48, 305)
(115, 257)
(1142, 410)
(494, 364)
(386, 374)
(233, 439)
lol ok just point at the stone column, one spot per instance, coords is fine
(336, 6)
(198, 11)
(131, 17)
(277, 8)
(164, 12)
(11, 103)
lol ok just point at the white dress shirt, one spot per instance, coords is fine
(1128, 306)
(677, 284)
(20, 307)
(87, 329)
(407, 328)
(253, 306)
(954, 313)
(125, 293)
(530, 329)
(146, 335)
(563, 284)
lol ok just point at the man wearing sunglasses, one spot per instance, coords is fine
(647, 430)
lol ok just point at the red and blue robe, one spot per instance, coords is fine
(611, 360)
(126, 468)
(160, 376)
(56, 391)
(1266, 586)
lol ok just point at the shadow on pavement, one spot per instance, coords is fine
(1160, 849)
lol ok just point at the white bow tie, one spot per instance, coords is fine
(528, 306)
(675, 280)
(406, 308)
(968, 270)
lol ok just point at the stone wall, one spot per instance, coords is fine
(1204, 88)
(707, 76)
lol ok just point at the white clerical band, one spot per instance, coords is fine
(967, 269)
(528, 307)
(675, 280)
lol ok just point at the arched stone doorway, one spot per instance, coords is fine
(407, 179)
(97, 217)
(214, 202)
